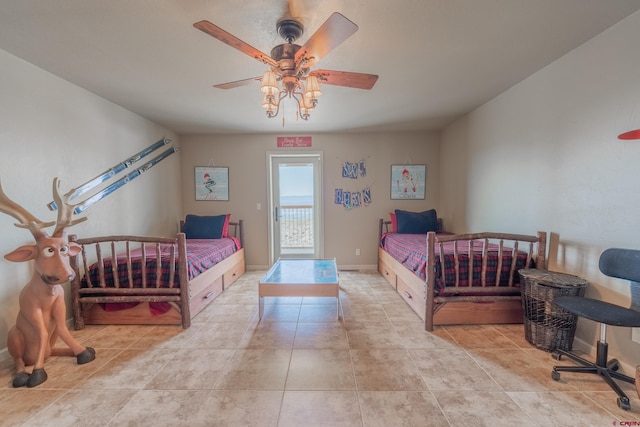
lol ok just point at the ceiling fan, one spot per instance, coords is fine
(290, 64)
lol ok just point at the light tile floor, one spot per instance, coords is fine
(300, 366)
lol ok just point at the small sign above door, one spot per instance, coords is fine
(294, 141)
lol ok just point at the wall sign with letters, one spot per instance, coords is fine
(293, 141)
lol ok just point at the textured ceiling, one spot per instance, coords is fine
(436, 59)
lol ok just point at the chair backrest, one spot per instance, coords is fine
(623, 264)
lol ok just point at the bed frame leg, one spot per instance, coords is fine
(78, 319)
(77, 308)
(186, 317)
(428, 324)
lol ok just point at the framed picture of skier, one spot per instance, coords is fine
(212, 183)
(408, 182)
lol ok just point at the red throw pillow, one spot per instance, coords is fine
(394, 222)
(225, 227)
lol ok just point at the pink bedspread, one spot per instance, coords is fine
(202, 254)
(410, 250)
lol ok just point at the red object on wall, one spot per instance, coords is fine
(294, 141)
(632, 134)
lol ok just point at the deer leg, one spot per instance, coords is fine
(43, 348)
(83, 354)
(37, 377)
(53, 338)
(59, 313)
(58, 351)
(74, 346)
(20, 380)
(15, 345)
(86, 356)
(65, 352)
(31, 352)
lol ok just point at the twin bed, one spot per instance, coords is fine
(195, 266)
(430, 269)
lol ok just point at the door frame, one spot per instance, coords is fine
(317, 199)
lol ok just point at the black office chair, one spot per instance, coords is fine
(622, 264)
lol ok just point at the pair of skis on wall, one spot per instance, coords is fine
(111, 172)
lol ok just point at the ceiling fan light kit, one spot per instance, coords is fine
(306, 95)
(289, 74)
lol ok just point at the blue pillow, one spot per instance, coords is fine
(203, 227)
(416, 222)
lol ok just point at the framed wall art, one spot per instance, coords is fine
(212, 183)
(408, 182)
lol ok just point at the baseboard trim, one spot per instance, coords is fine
(358, 267)
(256, 267)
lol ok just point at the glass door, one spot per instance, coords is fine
(295, 206)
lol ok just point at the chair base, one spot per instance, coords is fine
(607, 369)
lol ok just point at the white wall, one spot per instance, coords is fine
(544, 155)
(51, 128)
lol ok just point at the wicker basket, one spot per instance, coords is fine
(546, 325)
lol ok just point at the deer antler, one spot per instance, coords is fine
(27, 220)
(65, 209)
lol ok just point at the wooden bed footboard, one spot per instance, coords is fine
(483, 303)
(484, 292)
(166, 285)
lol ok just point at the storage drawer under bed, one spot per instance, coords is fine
(413, 295)
(233, 273)
(198, 301)
(385, 270)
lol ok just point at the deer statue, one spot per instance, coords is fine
(42, 314)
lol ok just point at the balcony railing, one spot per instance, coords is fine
(296, 227)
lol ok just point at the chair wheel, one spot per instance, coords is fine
(613, 365)
(556, 355)
(555, 375)
(623, 403)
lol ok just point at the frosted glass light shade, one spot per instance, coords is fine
(312, 87)
(269, 84)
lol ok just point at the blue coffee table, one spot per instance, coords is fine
(294, 277)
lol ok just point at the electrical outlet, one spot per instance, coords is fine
(357, 251)
(635, 335)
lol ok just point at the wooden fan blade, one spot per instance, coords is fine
(632, 134)
(238, 83)
(345, 78)
(296, 9)
(233, 41)
(330, 35)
